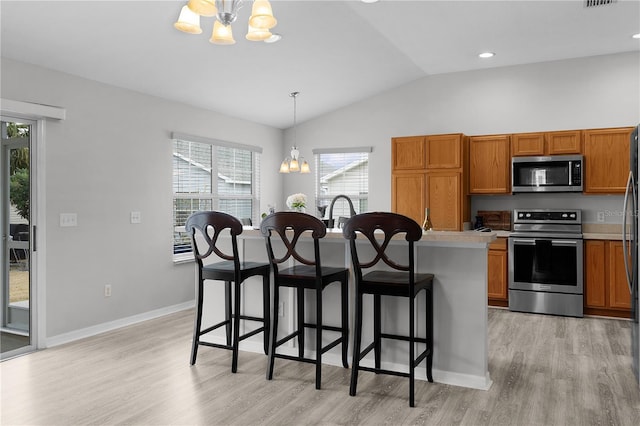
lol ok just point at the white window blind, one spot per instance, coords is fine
(212, 175)
(342, 172)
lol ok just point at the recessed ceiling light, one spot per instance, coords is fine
(487, 55)
(636, 35)
(369, 1)
(274, 38)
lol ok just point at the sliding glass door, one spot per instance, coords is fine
(15, 203)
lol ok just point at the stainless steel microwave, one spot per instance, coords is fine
(557, 173)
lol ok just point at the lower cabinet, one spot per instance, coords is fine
(606, 291)
(497, 280)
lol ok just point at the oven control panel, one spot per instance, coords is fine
(547, 216)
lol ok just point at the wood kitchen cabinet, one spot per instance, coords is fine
(546, 143)
(497, 278)
(445, 193)
(489, 164)
(606, 160)
(408, 153)
(409, 194)
(430, 171)
(606, 291)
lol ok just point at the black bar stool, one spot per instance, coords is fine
(288, 227)
(402, 281)
(211, 225)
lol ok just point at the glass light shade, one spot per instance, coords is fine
(262, 15)
(257, 34)
(294, 166)
(203, 7)
(222, 34)
(284, 167)
(188, 21)
(305, 167)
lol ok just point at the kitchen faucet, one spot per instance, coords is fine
(352, 211)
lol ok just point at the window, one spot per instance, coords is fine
(212, 175)
(342, 171)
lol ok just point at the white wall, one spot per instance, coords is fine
(594, 92)
(111, 156)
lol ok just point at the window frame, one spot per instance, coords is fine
(357, 199)
(215, 196)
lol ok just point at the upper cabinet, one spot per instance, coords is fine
(444, 151)
(489, 164)
(606, 158)
(548, 143)
(408, 153)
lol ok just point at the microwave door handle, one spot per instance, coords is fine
(570, 173)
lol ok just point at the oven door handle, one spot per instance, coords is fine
(564, 243)
(524, 242)
(532, 242)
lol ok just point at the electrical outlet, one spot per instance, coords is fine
(68, 219)
(600, 217)
(281, 309)
(107, 290)
(136, 217)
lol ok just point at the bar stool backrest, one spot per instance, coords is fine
(211, 225)
(380, 228)
(289, 227)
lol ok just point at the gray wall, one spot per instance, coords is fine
(112, 155)
(594, 92)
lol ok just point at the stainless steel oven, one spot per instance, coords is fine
(546, 262)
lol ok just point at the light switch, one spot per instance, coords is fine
(136, 217)
(68, 219)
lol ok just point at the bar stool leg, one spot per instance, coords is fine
(318, 337)
(274, 332)
(429, 309)
(266, 311)
(228, 311)
(236, 327)
(357, 337)
(412, 358)
(345, 321)
(377, 328)
(198, 323)
(300, 296)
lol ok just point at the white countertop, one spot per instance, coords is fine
(462, 237)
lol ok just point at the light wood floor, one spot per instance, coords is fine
(546, 371)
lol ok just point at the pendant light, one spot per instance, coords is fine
(225, 13)
(292, 164)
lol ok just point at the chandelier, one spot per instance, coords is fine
(291, 164)
(226, 12)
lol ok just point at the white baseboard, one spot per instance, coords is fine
(113, 325)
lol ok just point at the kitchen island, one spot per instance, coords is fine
(458, 261)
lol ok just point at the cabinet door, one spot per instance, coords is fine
(606, 157)
(408, 153)
(408, 195)
(523, 144)
(444, 199)
(497, 270)
(490, 164)
(594, 276)
(619, 296)
(561, 143)
(444, 151)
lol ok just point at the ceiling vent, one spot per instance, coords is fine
(594, 3)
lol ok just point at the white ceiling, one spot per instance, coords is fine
(334, 52)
